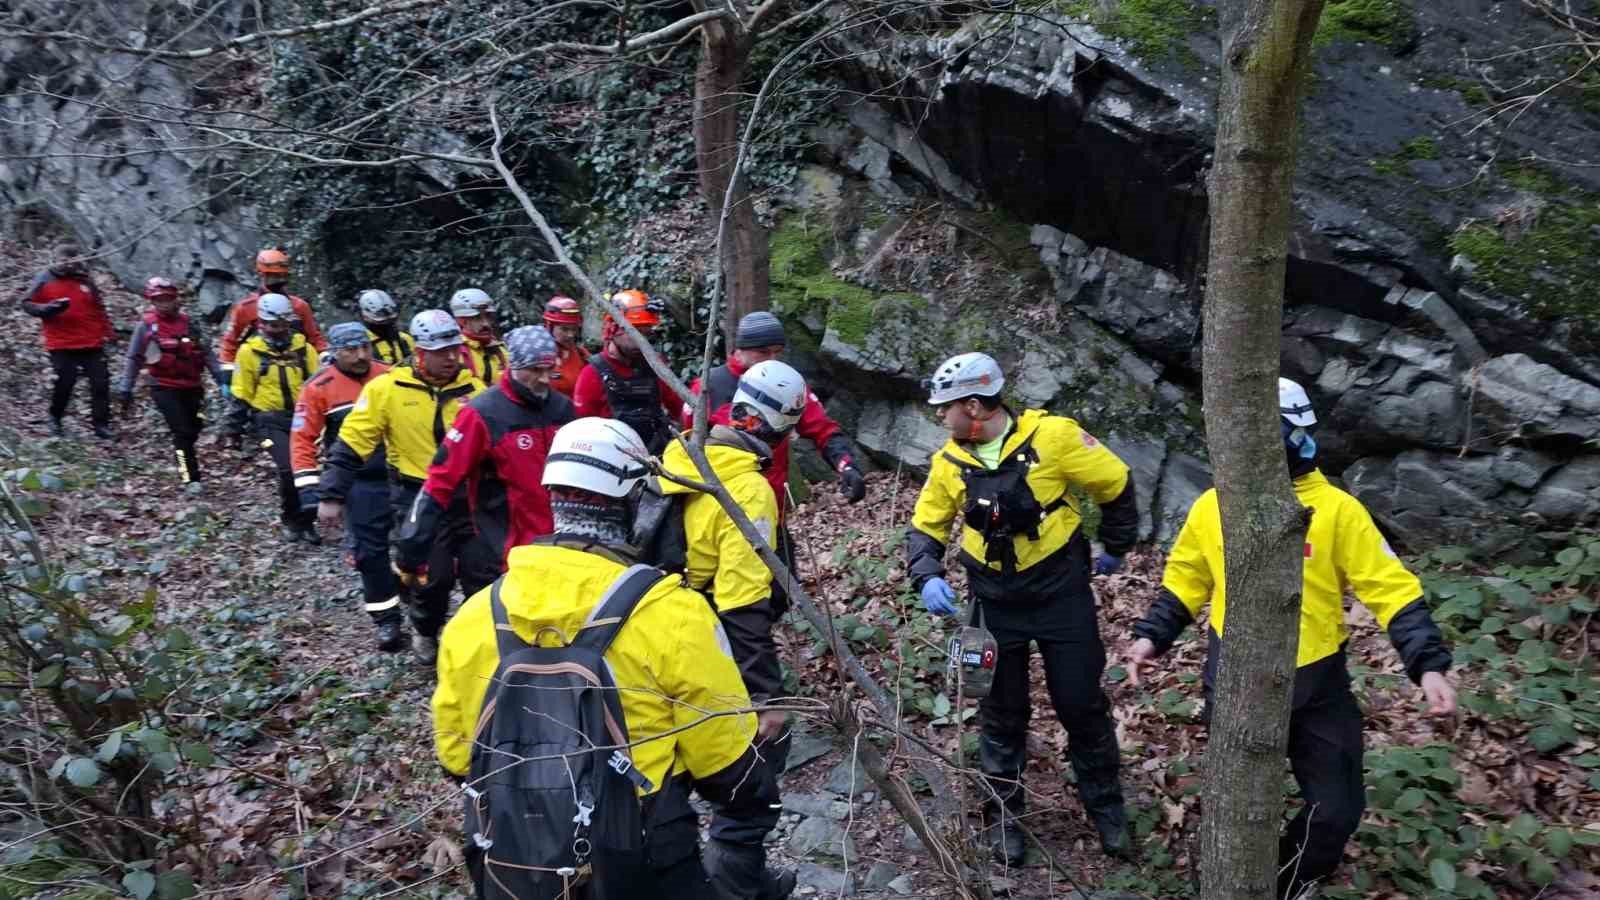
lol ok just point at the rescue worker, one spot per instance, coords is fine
(669, 661)
(324, 403)
(269, 371)
(165, 343)
(495, 452)
(1344, 551)
(1009, 477)
(758, 338)
(485, 355)
(565, 322)
(76, 329)
(406, 410)
(272, 265)
(380, 314)
(720, 563)
(618, 382)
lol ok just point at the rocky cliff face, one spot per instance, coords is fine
(1458, 412)
(1035, 186)
(94, 148)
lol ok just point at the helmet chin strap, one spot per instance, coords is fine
(975, 430)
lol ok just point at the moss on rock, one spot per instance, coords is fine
(1386, 22)
(1540, 249)
(1152, 29)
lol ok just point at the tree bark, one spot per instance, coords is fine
(1266, 50)
(719, 77)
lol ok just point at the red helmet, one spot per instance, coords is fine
(562, 311)
(637, 308)
(272, 261)
(158, 287)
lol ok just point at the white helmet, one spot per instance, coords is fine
(274, 308)
(435, 329)
(602, 456)
(1294, 405)
(377, 306)
(965, 375)
(469, 302)
(774, 391)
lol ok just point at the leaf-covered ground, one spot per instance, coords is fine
(296, 760)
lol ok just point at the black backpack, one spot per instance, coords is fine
(552, 795)
(658, 532)
(1000, 504)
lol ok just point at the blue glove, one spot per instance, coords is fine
(1106, 564)
(938, 597)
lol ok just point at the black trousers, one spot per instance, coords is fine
(367, 520)
(184, 410)
(1325, 754)
(273, 430)
(457, 555)
(1054, 610)
(68, 364)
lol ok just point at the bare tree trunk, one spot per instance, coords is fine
(1266, 50)
(724, 61)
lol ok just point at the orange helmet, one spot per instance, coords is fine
(272, 261)
(637, 308)
(562, 311)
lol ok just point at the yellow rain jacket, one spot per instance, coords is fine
(407, 415)
(718, 555)
(670, 661)
(395, 352)
(268, 380)
(1068, 456)
(1344, 550)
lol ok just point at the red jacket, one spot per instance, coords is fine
(646, 403)
(568, 369)
(497, 446)
(815, 425)
(242, 323)
(72, 315)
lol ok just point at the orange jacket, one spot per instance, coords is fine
(324, 402)
(242, 323)
(565, 376)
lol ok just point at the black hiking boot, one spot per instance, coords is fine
(391, 636)
(1112, 824)
(1009, 846)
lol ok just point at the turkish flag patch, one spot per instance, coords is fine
(1308, 549)
(1088, 440)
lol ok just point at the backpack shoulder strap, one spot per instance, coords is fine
(615, 606)
(505, 637)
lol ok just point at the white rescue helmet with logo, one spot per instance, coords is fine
(274, 308)
(774, 391)
(469, 302)
(965, 375)
(377, 306)
(1295, 405)
(602, 456)
(435, 329)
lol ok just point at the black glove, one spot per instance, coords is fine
(852, 484)
(46, 310)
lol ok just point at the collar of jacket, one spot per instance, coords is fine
(407, 375)
(374, 369)
(297, 341)
(1021, 426)
(622, 554)
(727, 436)
(735, 366)
(519, 394)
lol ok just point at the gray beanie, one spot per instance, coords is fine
(759, 329)
(531, 346)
